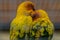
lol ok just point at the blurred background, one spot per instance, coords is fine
(8, 12)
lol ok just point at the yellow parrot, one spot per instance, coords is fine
(42, 28)
(22, 23)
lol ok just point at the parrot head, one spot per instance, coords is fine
(35, 15)
(29, 5)
(25, 7)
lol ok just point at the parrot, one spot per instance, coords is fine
(42, 26)
(22, 23)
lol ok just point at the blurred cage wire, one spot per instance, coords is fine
(8, 10)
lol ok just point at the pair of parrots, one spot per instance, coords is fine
(31, 24)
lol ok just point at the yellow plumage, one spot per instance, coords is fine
(22, 23)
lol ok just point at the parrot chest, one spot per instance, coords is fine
(25, 24)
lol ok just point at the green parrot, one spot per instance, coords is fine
(21, 25)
